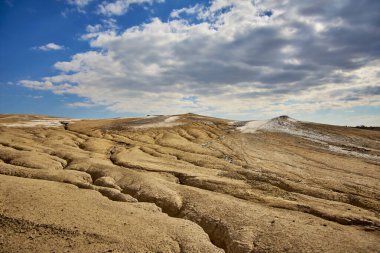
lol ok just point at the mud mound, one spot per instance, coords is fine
(188, 183)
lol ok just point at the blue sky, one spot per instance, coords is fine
(315, 61)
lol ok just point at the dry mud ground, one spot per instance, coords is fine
(187, 183)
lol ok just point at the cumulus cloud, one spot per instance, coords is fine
(198, 10)
(49, 47)
(232, 56)
(120, 7)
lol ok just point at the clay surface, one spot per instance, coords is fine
(187, 183)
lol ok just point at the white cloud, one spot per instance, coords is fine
(120, 7)
(79, 3)
(81, 104)
(236, 58)
(37, 85)
(197, 10)
(94, 28)
(34, 97)
(106, 25)
(49, 47)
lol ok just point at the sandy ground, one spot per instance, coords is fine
(187, 183)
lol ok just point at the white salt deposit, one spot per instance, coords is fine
(168, 122)
(291, 126)
(39, 122)
(171, 119)
(280, 124)
(340, 150)
(252, 126)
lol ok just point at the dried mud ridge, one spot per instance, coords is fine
(187, 183)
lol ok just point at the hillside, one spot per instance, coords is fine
(187, 183)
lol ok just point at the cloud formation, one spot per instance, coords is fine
(232, 56)
(49, 47)
(79, 3)
(120, 7)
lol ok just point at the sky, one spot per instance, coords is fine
(238, 59)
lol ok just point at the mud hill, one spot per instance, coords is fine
(187, 183)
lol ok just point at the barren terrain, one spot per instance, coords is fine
(187, 183)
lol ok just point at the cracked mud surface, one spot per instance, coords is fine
(186, 183)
